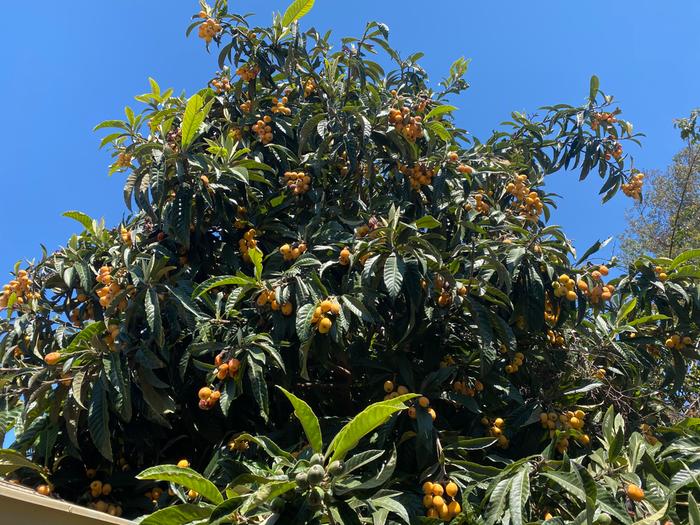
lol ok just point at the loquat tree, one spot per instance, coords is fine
(330, 304)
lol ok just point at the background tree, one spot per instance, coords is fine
(667, 221)
(331, 305)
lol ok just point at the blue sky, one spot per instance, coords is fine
(69, 65)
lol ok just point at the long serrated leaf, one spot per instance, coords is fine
(186, 477)
(308, 420)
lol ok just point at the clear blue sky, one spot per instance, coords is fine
(68, 65)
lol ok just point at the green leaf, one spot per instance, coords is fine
(519, 494)
(296, 10)
(428, 222)
(224, 280)
(693, 511)
(570, 482)
(685, 256)
(195, 113)
(393, 274)
(308, 420)
(186, 477)
(82, 218)
(440, 130)
(178, 515)
(439, 110)
(152, 308)
(11, 460)
(653, 518)
(595, 84)
(98, 420)
(267, 493)
(363, 423)
(256, 256)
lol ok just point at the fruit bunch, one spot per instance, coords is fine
(565, 286)
(291, 252)
(209, 29)
(551, 312)
(268, 297)
(613, 148)
(297, 181)
(649, 436)
(238, 445)
(20, 288)
(468, 387)
(315, 480)
(263, 129)
(123, 160)
(565, 421)
(418, 175)
(246, 106)
(323, 315)
(633, 188)
(226, 369)
(344, 257)
(555, 339)
(465, 169)
(248, 72)
(518, 189)
(247, 243)
(600, 293)
(602, 118)
(678, 342)
(660, 273)
(309, 87)
(110, 289)
(495, 429)
(422, 403)
(110, 338)
(440, 500)
(207, 398)
(410, 127)
(480, 205)
(279, 106)
(99, 489)
(516, 363)
(222, 84)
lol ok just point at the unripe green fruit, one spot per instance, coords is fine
(316, 459)
(315, 497)
(604, 519)
(336, 468)
(315, 474)
(302, 480)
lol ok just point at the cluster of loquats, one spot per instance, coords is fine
(660, 273)
(125, 235)
(110, 287)
(208, 397)
(599, 292)
(246, 106)
(468, 387)
(555, 339)
(410, 127)
(280, 106)
(418, 175)
(226, 369)
(154, 494)
(530, 204)
(440, 500)
(111, 337)
(633, 188)
(309, 87)
(344, 257)
(297, 181)
(19, 289)
(248, 72)
(247, 243)
(551, 312)
(565, 286)
(221, 84)
(240, 221)
(97, 491)
(515, 364)
(291, 252)
(480, 205)
(603, 118)
(268, 298)
(209, 29)
(43, 489)
(314, 481)
(263, 129)
(423, 403)
(566, 421)
(238, 445)
(323, 315)
(123, 160)
(495, 429)
(465, 169)
(678, 342)
(613, 149)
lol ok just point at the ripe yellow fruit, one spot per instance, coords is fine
(603, 269)
(204, 393)
(44, 490)
(437, 491)
(563, 279)
(324, 325)
(183, 463)
(547, 516)
(335, 308)
(499, 422)
(432, 513)
(388, 388)
(662, 277)
(428, 501)
(402, 390)
(579, 414)
(52, 358)
(454, 508)
(451, 489)
(432, 413)
(634, 492)
(438, 501)
(424, 402)
(326, 306)
(96, 486)
(106, 489)
(427, 487)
